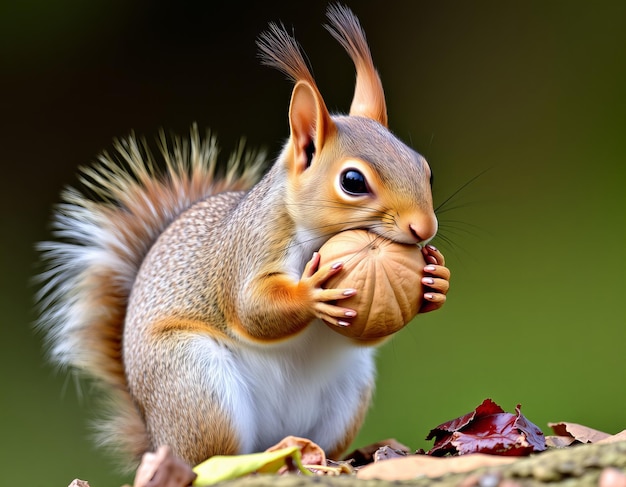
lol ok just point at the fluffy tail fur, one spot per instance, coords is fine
(101, 244)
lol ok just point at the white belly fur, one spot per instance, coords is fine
(309, 385)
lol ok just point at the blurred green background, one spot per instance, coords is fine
(533, 91)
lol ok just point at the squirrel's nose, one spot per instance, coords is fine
(424, 229)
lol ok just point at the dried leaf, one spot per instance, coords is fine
(486, 408)
(364, 455)
(579, 432)
(621, 436)
(310, 452)
(220, 468)
(554, 441)
(412, 466)
(387, 453)
(340, 467)
(487, 429)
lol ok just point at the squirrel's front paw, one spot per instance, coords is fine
(322, 300)
(436, 279)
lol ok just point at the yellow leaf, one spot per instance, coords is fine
(219, 468)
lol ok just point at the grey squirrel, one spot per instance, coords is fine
(196, 298)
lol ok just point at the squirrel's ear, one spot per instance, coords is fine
(310, 124)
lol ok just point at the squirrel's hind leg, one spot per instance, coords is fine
(191, 392)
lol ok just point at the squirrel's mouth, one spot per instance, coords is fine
(419, 233)
(397, 237)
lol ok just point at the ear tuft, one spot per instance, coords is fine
(369, 97)
(280, 50)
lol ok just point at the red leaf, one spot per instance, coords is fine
(534, 435)
(487, 429)
(486, 408)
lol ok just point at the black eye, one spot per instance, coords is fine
(353, 182)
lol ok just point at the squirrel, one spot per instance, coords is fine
(195, 296)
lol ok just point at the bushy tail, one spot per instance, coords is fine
(102, 241)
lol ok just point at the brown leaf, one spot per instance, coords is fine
(364, 455)
(621, 436)
(421, 465)
(554, 441)
(312, 453)
(387, 453)
(579, 432)
(340, 467)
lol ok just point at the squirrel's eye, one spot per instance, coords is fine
(353, 182)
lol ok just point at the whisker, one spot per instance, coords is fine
(439, 207)
(450, 208)
(464, 229)
(447, 244)
(458, 222)
(353, 225)
(317, 204)
(334, 205)
(460, 232)
(461, 205)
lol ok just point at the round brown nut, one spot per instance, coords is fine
(387, 276)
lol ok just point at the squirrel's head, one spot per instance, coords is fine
(348, 172)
